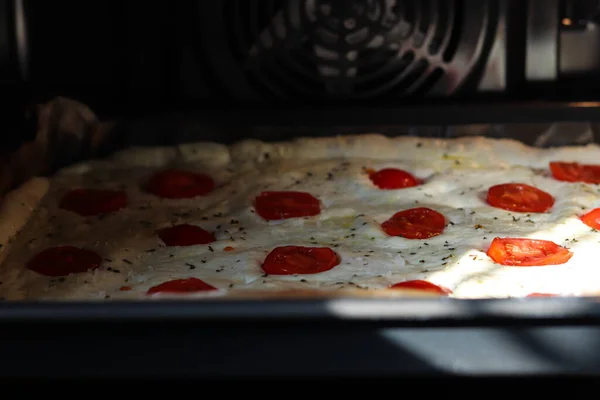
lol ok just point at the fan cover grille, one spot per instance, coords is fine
(356, 48)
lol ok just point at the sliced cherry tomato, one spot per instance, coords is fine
(86, 202)
(185, 235)
(64, 260)
(522, 252)
(422, 285)
(180, 184)
(592, 218)
(519, 197)
(282, 205)
(290, 260)
(542, 295)
(393, 178)
(188, 285)
(575, 172)
(415, 223)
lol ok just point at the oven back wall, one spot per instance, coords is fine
(125, 57)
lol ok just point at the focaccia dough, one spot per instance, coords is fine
(458, 171)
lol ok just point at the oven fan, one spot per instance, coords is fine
(351, 49)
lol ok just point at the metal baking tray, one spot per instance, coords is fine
(307, 338)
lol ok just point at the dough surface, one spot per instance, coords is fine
(457, 174)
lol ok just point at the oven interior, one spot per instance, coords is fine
(176, 72)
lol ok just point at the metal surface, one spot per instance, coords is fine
(251, 350)
(346, 50)
(381, 312)
(21, 39)
(13, 43)
(578, 52)
(494, 73)
(6, 59)
(528, 122)
(541, 52)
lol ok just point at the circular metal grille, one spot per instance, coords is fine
(356, 48)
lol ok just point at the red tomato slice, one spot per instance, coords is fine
(179, 184)
(521, 252)
(188, 285)
(290, 260)
(393, 178)
(574, 172)
(64, 260)
(519, 197)
(86, 202)
(415, 223)
(422, 285)
(282, 205)
(185, 235)
(592, 219)
(542, 295)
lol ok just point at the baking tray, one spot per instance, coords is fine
(340, 337)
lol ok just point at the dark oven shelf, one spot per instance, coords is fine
(302, 339)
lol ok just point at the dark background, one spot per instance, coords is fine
(126, 58)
